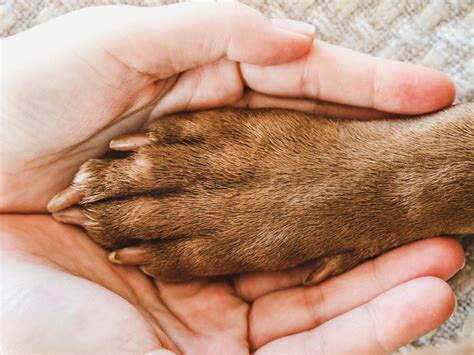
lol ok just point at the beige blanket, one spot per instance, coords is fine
(436, 33)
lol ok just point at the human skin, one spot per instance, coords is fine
(68, 88)
(60, 294)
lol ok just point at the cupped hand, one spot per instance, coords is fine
(72, 84)
(60, 294)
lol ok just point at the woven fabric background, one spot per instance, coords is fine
(435, 33)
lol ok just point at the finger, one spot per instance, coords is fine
(167, 40)
(208, 86)
(211, 31)
(252, 99)
(311, 306)
(220, 84)
(423, 254)
(253, 285)
(337, 74)
(382, 325)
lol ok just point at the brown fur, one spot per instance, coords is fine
(227, 191)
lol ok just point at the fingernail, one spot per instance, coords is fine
(463, 264)
(129, 142)
(63, 199)
(71, 215)
(295, 26)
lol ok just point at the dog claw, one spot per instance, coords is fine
(64, 199)
(112, 258)
(143, 269)
(129, 142)
(71, 215)
(130, 256)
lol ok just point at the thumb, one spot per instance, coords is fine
(167, 40)
(183, 36)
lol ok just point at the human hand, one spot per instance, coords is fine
(72, 84)
(60, 294)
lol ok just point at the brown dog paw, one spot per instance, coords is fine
(229, 191)
(191, 198)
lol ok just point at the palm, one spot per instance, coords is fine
(119, 303)
(104, 307)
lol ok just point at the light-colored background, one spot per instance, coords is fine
(436, 33)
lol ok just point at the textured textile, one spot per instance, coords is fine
(437, 33)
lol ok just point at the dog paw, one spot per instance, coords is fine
(228, 191)
(198, 194)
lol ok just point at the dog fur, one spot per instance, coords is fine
(228, 191)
